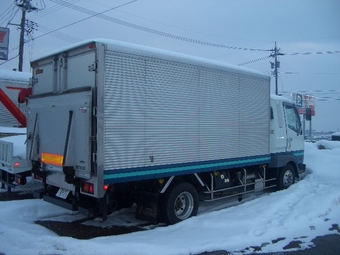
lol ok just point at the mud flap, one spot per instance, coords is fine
(147, 207)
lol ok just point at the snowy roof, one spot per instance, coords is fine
(156, 52)
(281, 98)
(6, 75)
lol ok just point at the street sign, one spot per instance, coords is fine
(298, 101)
(4, 42)
(304, 102)
(309, 102)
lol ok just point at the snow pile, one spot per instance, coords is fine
(13, 130)
(307, 209)
(13, 76)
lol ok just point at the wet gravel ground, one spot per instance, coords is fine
(73, 229)
(324, 245)
(79, 231)
(8, 196)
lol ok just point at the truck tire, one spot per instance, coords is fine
(179, 203)
(286, 177)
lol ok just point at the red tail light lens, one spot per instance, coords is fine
(88, 187)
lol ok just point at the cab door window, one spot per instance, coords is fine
(292, 118)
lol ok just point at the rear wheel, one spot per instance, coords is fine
(286, 177)
(179, 203)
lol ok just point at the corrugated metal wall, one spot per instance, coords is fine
(159, 112)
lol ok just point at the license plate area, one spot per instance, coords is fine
(62, 193)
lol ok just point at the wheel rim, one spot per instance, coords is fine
(288, 178)
(184, 205)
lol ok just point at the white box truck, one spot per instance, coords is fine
(111, 124)
(14, 167)
(13, 93)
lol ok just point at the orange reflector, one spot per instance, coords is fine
(16, 164)
(53, 159)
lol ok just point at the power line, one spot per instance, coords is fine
(51, 10)
(100, 15)
(310, 73)
(160, 33)
(312, 53)
(76, 22)
(57, 34)
(9, 60)
(7, 12)
(149, 30)
(9, 15)
(255, 60)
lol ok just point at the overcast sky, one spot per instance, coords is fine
(237, 32)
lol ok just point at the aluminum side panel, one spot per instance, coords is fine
(159, 112)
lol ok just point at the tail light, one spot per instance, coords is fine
(37, 177)
(21, 180)
(87, 187)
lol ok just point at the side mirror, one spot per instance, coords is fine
(271, 113)
(308, 114)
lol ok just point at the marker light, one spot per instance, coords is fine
(16, 164)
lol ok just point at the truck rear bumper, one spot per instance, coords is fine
(72, 206)
(59, 202)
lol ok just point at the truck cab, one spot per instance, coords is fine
(286, 139)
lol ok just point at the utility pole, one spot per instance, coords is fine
(275, 66)
(25, 6)
(22, 38)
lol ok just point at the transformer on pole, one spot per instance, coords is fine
(275, 66)
(25, 6)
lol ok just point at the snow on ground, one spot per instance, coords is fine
(307, 209)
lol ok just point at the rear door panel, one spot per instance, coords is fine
(62, 128)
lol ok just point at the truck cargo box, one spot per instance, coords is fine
(111, 124)
(111, 112)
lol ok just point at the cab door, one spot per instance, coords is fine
(295, 139)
